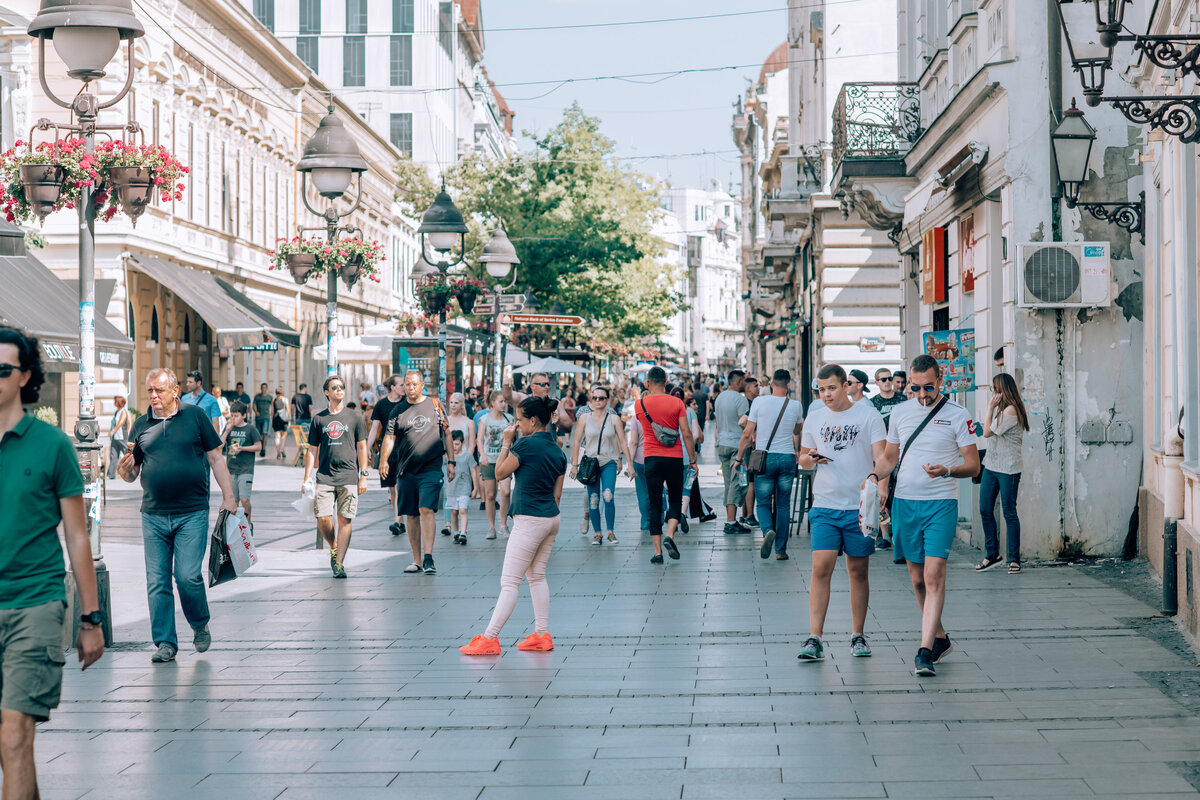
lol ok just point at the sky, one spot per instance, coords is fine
(650, 116)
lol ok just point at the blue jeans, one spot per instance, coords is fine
(991, 484)
(603, 491)
(775, 481)
(175, 543)
(643, 496)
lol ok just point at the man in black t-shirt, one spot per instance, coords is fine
(172, 448)
(418, 430)
(262, 414)
(379, 419)
(241, 443)
(302, 407)
(337, 447)
(239, 393)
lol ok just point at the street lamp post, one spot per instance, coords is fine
(86, 35)
(442, 227)
(332, 159)
(499, 256)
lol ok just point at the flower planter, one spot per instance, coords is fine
(301, 265)
(466, 300)
(134, 188)
(435, 302)
(42, 184)
(410, 328)
(351, 271)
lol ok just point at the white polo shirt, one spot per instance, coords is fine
(938, 443)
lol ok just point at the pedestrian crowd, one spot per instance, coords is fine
(512, 452)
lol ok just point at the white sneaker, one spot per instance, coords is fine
(491, 534)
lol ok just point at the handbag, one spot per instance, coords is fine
(895, 476)
(667, 437)
(589, 466)
(756, 462)
(220, 564)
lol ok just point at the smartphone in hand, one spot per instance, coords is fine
(821, 458)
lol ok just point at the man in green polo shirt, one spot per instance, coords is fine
(40, 485)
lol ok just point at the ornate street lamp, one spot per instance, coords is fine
(442, 227)
(1093, 28)
(332, 159)
(499, 257)
(86, 35)
(1072, 142)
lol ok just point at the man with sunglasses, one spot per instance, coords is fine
(925, 508)
(40, 488)
(173, 448)
(337, 446)
(539, 386)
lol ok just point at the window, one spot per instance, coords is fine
(401, 61)
(356, 16)
(354, 61)
(402, 16)
(306, 49)
(446, 27)
(401, 132)
(264, 12)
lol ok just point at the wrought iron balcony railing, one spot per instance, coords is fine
(875, 121)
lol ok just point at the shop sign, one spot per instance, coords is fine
(955, 354)
(933, 266)
(871, 344)
(265, 347)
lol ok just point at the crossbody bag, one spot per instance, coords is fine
(588, 471)
(894, 478)
(667, 437)
(757, 460)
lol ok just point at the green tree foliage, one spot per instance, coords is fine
(581, 224)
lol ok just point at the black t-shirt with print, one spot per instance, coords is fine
(337, 437)
(418, 430)
(242, 462)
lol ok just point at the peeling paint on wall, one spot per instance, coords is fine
(1130, 300)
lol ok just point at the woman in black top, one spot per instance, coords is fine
(538, 465)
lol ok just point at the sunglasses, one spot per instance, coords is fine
(928, 388)
(8, 369)
(336, 387)
(540, 384)
(599, 397)
(884, 379)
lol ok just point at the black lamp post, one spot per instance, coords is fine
(86, 35)
(331, 159)
(499, 257)
(1072, 141)
(442, 227)
(558, 309)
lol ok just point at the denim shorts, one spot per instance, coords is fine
(837, 529)
(924, 528)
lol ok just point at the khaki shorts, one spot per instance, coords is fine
(32, 658)
(345, 498)
(243, 484)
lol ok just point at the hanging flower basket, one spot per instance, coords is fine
(351, 271)
(134, 175)
(353, 258)
(301, 257)
(42, 184)
(466, 291)
(133, 189)
(434, 294)
(301, 265)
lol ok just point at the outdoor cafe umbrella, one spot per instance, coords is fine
(551, 366)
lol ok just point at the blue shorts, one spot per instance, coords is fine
(924, 528)
(835, 529)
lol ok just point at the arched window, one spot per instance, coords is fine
(154, 324)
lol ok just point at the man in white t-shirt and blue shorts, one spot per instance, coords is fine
(925, 509)
(841, 440)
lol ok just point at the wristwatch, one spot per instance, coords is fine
(94, 618)
(362, 473)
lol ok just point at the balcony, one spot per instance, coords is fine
(874, 126)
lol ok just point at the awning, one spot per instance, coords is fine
(35, 300)
(236, 320)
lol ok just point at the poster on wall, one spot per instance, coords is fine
(966, 248)
(955, 354)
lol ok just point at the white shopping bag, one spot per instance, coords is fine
(240, 543)
(304, 505)
(868, 509)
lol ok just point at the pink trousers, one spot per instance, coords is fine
(526, 555)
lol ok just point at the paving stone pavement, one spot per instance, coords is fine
(675, 681)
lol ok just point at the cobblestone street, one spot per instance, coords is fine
(675, 682)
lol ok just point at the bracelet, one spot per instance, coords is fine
(873, 475)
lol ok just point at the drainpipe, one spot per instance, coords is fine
(1054, 74)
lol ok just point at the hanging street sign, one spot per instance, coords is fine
(508, 304)
(565, 320)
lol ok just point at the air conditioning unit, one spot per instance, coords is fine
(1064, 275)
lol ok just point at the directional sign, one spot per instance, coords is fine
(508, 303)
(565, 320)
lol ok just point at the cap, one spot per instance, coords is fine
(859, 376)
(815, 387)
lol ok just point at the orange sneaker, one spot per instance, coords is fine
(481, 646)
(540, 642)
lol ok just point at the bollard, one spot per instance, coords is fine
(1170, 604)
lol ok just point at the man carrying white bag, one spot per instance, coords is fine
(841, 441)
(231, 548)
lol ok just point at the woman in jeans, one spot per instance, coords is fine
(538, 465)
(1004, 424)
(601, 435)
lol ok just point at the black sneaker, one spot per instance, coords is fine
(395, 529)
(708, 517)
(669, 546)
(339, 571)
(683, 524)
(427, 565)
(882, 543)
(732, 528)
(742, 526)
(445, 531)
(923, 663)
(940, 648)
(656, 559)
(767, 543)
(752, 522)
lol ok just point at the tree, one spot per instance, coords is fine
(581, 224)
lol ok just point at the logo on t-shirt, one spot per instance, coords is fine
(335, 429)
(419, 423)
(941, 422)
(839, 436)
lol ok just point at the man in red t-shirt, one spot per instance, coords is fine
(664, 465)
